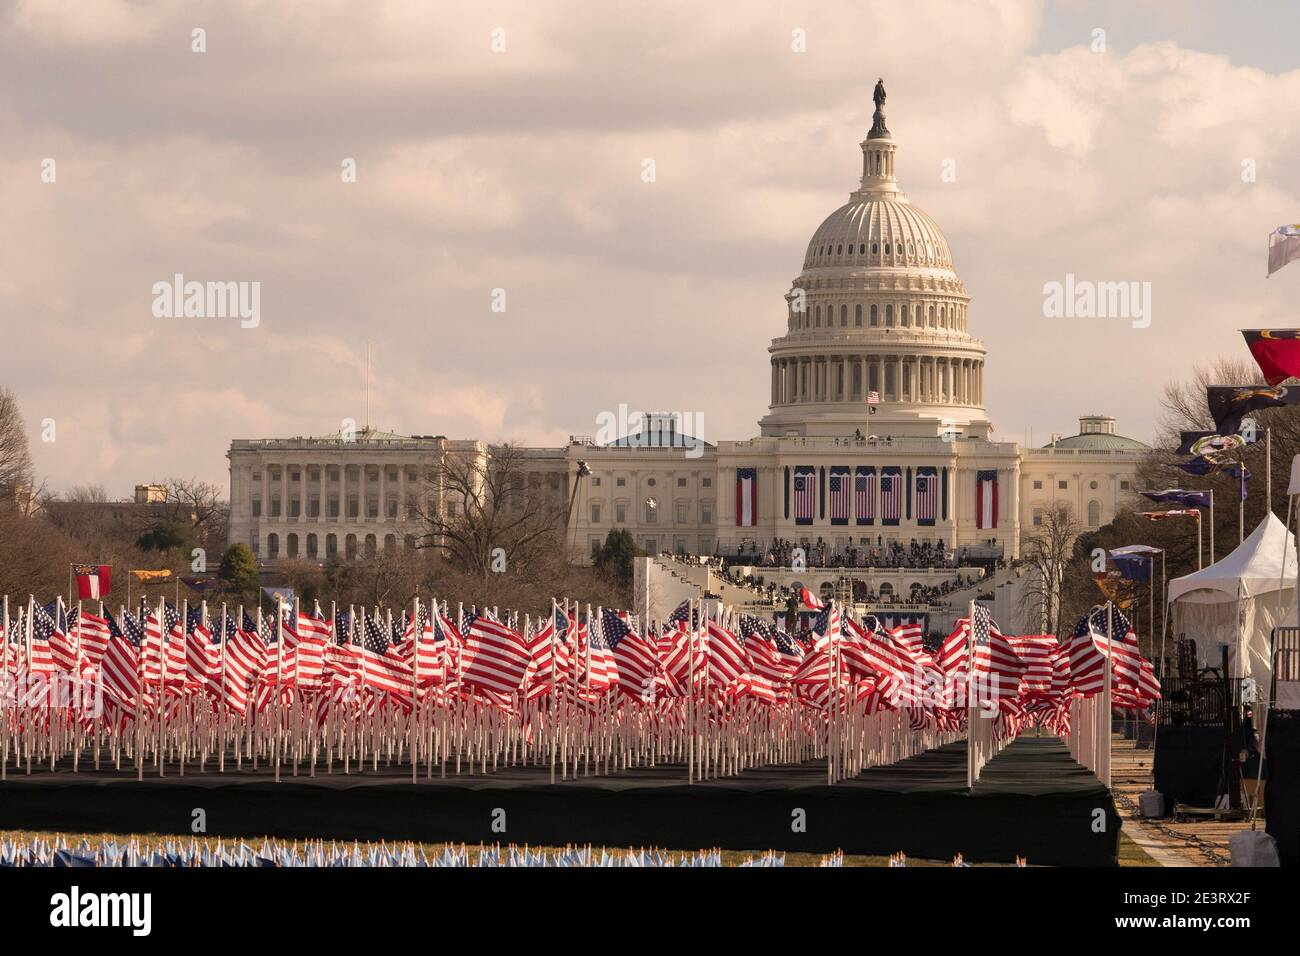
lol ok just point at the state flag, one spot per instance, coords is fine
(94, 581)
(1276, 352)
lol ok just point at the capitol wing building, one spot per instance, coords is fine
(875, 436)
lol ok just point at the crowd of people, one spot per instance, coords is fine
(743, 567)
(781, 553)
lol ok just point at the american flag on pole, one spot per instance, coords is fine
(495, 657)
(805, 495)
(891, 495)
(636, 659)
(873, 397)
(746, 497)
(864, 494)
(839, 494)
(995, 668)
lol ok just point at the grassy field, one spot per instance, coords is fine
(1130, 854)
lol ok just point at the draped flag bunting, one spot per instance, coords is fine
(839, 494)
(864, 494)
(746, 497)
(805, 494)
(927, 495)
(986, 499)
(891, 495)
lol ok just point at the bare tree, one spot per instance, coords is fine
(1048, 552)
(86, 494)
(479, 511)
(1184, 408)
(191, 509)
(16, 473)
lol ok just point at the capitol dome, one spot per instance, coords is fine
(876, 335)
(879, 232)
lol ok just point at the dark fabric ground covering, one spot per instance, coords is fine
(1188, 765)
(1032, 799)
(1282, 785)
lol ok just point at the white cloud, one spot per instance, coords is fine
(522, 171)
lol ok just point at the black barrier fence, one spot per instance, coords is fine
(1282, 786)
(1199, 702)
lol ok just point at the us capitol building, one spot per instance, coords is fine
(875, 432)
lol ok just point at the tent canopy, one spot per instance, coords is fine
(1254, 569)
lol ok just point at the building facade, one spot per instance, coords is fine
(875, 432)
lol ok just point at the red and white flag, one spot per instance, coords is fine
(93, 581)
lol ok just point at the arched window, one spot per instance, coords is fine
(311, 547)
(1094, 514)
(862, 248)
(273, 545)
(371, 546)
(889, 316)
(331, 545)
(875, 248)
(844, 315)
(819, 317)
(875, 319)
(902, 315)
(350, 547)
(839, 250)
(857, 315)
(390, 543)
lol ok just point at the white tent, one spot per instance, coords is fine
(1239, 600)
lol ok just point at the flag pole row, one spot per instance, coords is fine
(427, 691)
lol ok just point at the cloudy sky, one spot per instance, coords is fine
(522, 170)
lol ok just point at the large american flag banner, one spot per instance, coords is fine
(805, 494)
(891, 495)
(839, 494)
(927, 495)
(864, 494)
(746, 497)
(986, 499)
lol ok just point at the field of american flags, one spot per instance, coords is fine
(434, 693)
(581, 689)
(48, 849)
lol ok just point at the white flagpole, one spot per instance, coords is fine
(279, 660)
(555, 691)
(416, 630)
(971, 712)
(1211, 525)
(162, 681)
